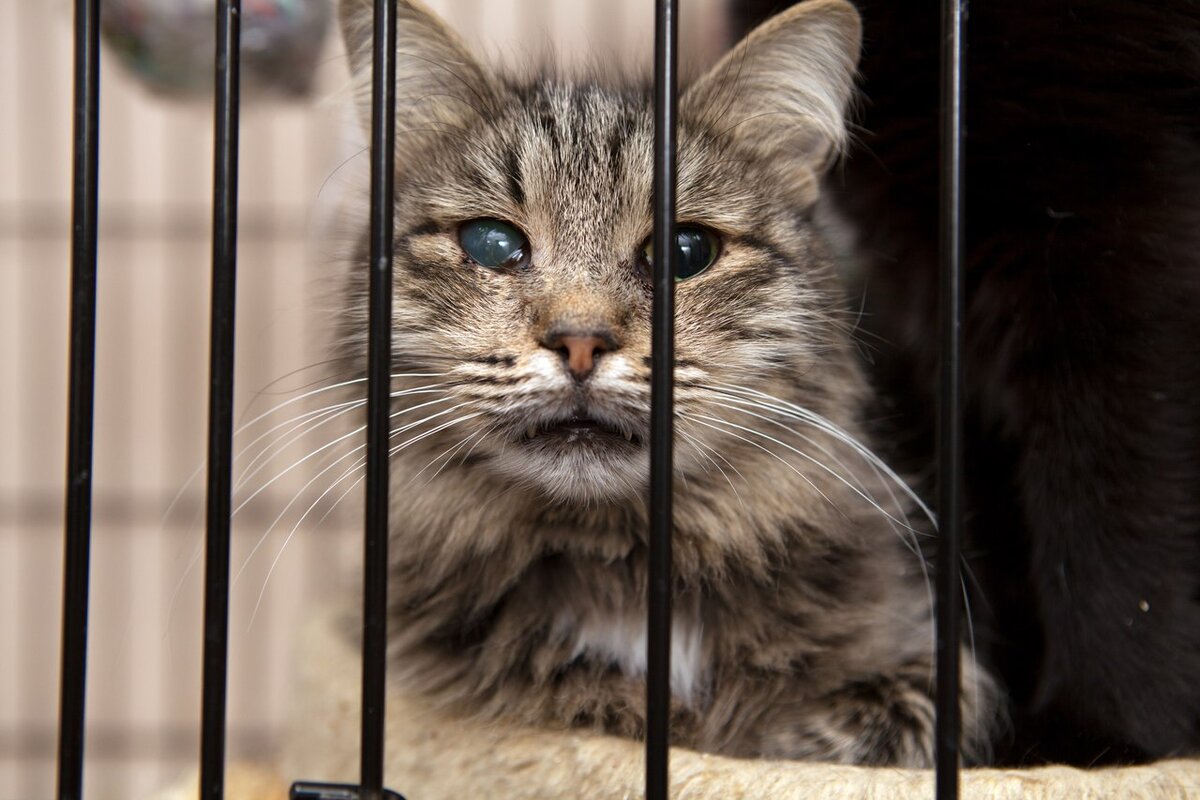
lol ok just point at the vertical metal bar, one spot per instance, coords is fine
(658, 680)
(220, 403)
(81, 394)
(379, 364)
(950, 458)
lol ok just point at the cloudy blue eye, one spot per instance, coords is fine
(696, 249)
(493, 243)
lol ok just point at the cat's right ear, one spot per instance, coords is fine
(783, 91)
(440, 86)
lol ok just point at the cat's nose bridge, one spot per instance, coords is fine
(581, 325)
(578, 309)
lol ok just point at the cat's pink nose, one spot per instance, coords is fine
(580, 352)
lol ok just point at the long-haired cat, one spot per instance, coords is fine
(1082, 337)
(802, 623)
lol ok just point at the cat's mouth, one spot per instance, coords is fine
(581, 429)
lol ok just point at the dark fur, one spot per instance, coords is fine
(1082, 343)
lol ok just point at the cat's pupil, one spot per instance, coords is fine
(695, 251)
(493, 243)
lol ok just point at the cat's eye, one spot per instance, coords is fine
(493, 243)
(696, 249)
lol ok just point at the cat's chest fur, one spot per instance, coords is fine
(618, 639)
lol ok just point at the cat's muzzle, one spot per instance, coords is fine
(581, 430)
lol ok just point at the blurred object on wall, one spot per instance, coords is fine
(168, 44)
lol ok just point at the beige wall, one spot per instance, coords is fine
(144, 680)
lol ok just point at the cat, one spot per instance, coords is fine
(802, 625)
(1082, 344)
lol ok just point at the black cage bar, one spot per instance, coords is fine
(375, 543)
(81, 396)
(220, 403)
(662, 410)
(950, 459)
(379, 368)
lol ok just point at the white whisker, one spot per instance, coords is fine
(450, 451)
(307, 424)
(908, 536)
(360, 464)
(328, 388)
(360, 447)
(262, 591)
(700, 448)
(835, 431)
(342, 438)
(860, 489)
(248, 473)
(477, 442)
(468, 453)
(192, 561)
(429, 433)
(362, 461)
(774, 455)
(244, 426)
(824, 467)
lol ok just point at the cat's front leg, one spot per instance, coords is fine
(603, 700)
(885, 720)
(880, 720)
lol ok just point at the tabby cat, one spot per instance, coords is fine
(802, 624)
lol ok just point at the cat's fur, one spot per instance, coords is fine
(802, 621)
(1082, 337)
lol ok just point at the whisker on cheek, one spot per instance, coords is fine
(326, 447)
(722, 426)
(701, 447)
(820, 422)
(447, 454)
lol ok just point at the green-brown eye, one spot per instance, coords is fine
(696, 249)
(493, 243)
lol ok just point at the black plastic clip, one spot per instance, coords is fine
(306, 790)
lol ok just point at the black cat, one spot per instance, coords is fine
(1082, 340)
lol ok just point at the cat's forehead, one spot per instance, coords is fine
(568, 161)
(578, 119)
(580, 145)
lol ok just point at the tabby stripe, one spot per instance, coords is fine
(516, 186)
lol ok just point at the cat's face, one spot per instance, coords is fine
(523, 211)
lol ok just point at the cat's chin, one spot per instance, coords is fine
(578, 472)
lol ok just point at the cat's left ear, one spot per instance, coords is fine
(784, 89)
(440, 86)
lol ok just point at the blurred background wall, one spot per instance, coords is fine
(298, 156)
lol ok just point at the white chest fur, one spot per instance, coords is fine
(620, 639)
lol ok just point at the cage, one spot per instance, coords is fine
(144, 654)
